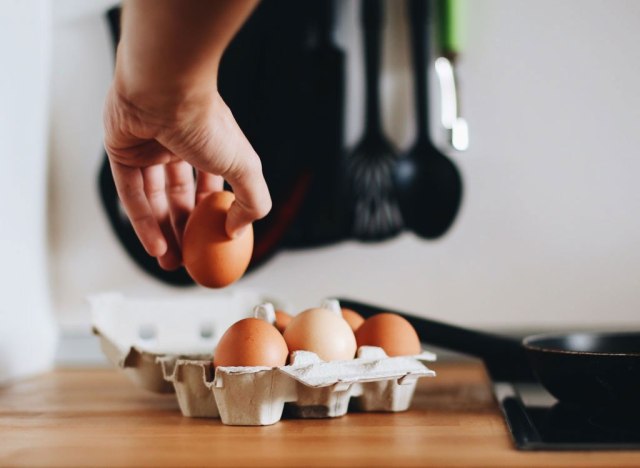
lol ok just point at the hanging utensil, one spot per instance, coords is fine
(451, 15)
(369, 168)
(429, 186)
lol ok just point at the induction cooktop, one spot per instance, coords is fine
(538, 422)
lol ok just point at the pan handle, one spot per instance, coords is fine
(504, 357)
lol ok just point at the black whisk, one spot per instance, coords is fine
(369, 168)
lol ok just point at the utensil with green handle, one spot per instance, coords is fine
(451, 14)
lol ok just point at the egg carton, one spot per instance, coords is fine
(164, 346)
(307, 388)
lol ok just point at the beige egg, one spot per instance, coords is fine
(322, 332)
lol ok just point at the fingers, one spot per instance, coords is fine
(206, 184)
(154, 189)
(179, 188)
(142, 192)
(131, 190)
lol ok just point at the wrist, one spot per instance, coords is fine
(163, 94)
(163, 105)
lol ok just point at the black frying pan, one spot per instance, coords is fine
(588, 370)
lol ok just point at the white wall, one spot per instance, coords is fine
(548, 233)
(27, 327)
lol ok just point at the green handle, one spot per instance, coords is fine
(452, 18)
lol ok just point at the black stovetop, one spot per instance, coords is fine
(538, 422)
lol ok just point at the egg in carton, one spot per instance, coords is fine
(308, 387)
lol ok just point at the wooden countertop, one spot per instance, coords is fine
(97, 417)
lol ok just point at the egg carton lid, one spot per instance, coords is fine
(187, 325)
(134, 332)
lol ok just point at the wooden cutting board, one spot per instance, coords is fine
(96, 417)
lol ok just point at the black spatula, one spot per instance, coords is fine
(428, 184)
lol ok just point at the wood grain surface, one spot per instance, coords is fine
(96, 417)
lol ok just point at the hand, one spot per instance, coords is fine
(153, 149)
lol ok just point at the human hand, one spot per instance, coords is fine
(154, 147)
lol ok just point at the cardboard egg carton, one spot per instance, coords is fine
(306, 388)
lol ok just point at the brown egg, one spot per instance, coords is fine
(390, 332)
(211, 257)
(322, 332)
(353, 318)
(282, 320)
(251, 342)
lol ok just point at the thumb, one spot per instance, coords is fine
(252, 199)
(238, 220)
(243, 172)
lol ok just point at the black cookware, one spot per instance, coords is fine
(588, 370)
(321, 218)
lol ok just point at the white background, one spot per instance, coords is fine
(548, 233)
(27, 331)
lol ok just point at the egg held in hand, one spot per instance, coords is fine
(211, 257)
(394, 334)
(251, 342)
(322, 332)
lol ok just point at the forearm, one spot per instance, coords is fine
(170, 49)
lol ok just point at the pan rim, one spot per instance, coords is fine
(526, 343)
